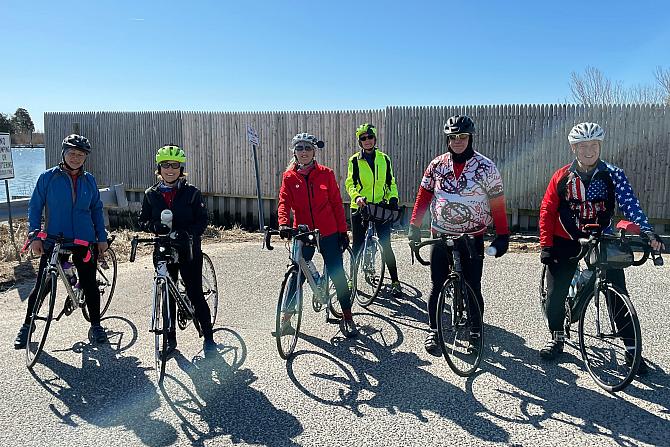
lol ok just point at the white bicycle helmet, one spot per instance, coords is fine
(304, 137)
(586, 132)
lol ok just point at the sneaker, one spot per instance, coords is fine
(348, 327)
(97, 334)
(396, 289)
(22, 337)
(551, 349)
(209, 347)
(432, 344)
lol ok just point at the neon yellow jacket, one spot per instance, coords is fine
(372, 185)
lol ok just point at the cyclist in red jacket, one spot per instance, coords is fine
(311, 191)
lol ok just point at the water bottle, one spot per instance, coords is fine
(70, 273)
(314, 272)
(491, 251)
(579, 280)
(166, 218)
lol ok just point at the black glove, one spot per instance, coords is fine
(393, 203)
(344, 241)
(547, 256)
(179, 235)
(654, 237)
(414, 234)
(159, 228)
(285, 231)
(501, 244)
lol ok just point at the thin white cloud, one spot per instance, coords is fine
(137, 20)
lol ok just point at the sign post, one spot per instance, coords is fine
(6, 173)
(252, 136)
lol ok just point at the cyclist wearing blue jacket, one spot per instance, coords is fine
(70, 200)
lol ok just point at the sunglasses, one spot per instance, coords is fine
(303, 148)
(366, 137)
(170, 164)
(459, 136)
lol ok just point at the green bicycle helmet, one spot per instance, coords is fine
(170, 152)
(366, 128)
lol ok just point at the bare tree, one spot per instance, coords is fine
(663, 79)
(593, 87)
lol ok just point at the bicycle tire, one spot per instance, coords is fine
(608, 364)
(287, 330)
(106, 283)
(210, 287)
(160, 323)
(462, 352)
(368, 277)
(41, 319)
(348, 263)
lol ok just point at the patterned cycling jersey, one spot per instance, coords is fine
(461, 204)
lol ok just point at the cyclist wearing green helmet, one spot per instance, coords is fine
(370, 180)
(189, 217)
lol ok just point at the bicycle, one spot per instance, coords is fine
(167, 249)
(369, 262)
(43, 310)
(461, 339)
(613, 359)
(289, 305)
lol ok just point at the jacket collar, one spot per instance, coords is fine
(359, 154)
(601, 166)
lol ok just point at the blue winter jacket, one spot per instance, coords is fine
(77, 217)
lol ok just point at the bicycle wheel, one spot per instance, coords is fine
(106, 280)
(369, 272)
(333, 303)
(610, 340)
(289, 314)
(210, 287)
(41, 318)
(160, 323)
(462, 341)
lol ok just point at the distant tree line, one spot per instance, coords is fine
(592, 87)
(21, 127)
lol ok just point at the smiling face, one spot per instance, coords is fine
(587, 153)
(304, 152)
(170, 171)
(75, 158)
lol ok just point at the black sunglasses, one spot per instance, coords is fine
(366, 137)
(170, 164)
(303, 148)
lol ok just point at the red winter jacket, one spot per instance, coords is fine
(315, 201)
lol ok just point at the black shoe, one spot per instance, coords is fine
(348, 328)
(209, 348)
(396, 289)
(551, 349)
(22, 337)
(642, 369)
(97, 334)
(473, 342)
(171, 345)
(432, 344)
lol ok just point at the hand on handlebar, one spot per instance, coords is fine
(547, 256)
(414, 234)
(655, 242)
(285, 231)
(37, 247)
(361, 202)
(393, 203)
(501, 244)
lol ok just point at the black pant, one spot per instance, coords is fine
(472, 264)
(332, 258)
(384, 235)
(559, 277)
(191, 274)
(86, 273)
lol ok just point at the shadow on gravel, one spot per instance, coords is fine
(549, 393)
(368, 371)
(108, 390)
(408, 310)
(219, 400)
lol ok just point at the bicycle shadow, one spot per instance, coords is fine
(108, 390)
(220, 400)
(409, 310)
(375, 374)
(549, 392)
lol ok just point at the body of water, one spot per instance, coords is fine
(28, 165)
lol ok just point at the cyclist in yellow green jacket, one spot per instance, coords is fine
(370, 180)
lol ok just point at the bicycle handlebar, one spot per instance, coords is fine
(448, 239)
(168, 239)
(394, 213)
(594, 238)
(310, 237)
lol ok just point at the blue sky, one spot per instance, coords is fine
(306, 55)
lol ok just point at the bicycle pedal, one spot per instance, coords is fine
(332, 320)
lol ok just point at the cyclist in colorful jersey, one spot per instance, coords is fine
(464, 191)
(370, 180)
(189, 217)
(310, 191)
(70, 200)
(580, 193)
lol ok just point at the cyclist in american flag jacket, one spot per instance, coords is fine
(583, 192)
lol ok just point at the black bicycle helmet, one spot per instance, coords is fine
(78, 142)
(459, 124)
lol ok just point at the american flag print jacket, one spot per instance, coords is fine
(570, 203)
